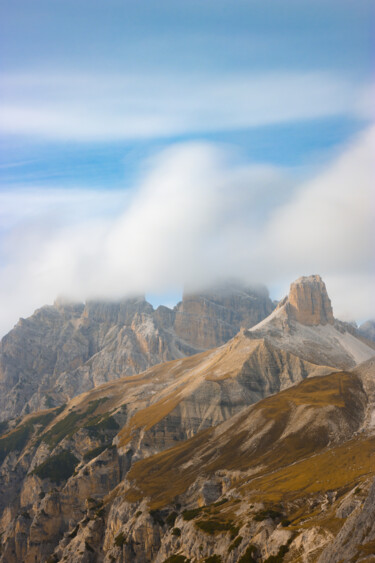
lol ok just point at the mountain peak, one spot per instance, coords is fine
(308, 302)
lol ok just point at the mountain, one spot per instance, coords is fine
(245, 452)
(66, 349)
(284, 476)
(303, 323)
(367, 330)
(211, 318)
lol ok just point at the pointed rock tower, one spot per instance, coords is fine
(303, 324)
(308, 302)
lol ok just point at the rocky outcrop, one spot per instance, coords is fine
(308, 302)
(261, 484)
(188, 460)
(66, 349)
(303, 324)
(356, 539)
(209, 319)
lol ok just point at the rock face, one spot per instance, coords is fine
(66, 349)
(356, 539)
(367, 330)
(303, 323)
(230, 491)
(245, 452)
(309, 303)
(209, 319)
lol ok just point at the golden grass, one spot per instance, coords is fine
(148, 417)
(284, 468)
(333, 469)
(335, 389)
(161, 477)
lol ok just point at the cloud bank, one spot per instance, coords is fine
(87, 107)
(198, 214)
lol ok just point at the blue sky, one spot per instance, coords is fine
(94, 94)
(45, 45)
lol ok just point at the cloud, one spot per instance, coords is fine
(198, 214)
(85, 107)
(329, 227)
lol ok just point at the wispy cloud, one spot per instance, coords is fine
(197, 215)
(84, 107)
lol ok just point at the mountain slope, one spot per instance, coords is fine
(305, 456)
(110, 475)
(301, 456)
(66, 349)
(303, 323)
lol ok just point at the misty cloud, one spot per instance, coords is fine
(198, 214)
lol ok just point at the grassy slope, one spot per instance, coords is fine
(293, 465)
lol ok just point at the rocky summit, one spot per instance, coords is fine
(303, 323)
(68, 348)
(308, 302)
(260, 450)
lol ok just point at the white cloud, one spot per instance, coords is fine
(198, 214)
(85, 107)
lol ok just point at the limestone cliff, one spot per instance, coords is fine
(280, 479)
(211, 318)
(238, 453)
(308, 302)
(66, 349)
(303, 323)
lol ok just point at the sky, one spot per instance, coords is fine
(147, 147)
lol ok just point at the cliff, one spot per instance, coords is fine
(66, 349)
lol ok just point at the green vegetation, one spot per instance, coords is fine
(166, 475)
(74, 532)
(66, 427)
(100, 510)
(213, 559)
(177, 559)
(213, 526)
(176, 532)
(220, 502)
(63, 428)
(120, 539)
(88, 456)
(101, 423)
(157, 517)
(50, 403)
(17, 439)
(171, 519)
(58, 467)
(235, 544)
(338, 467)
(249, 555)
(191, 514)
(265, 514)
(280, 555)
(100, 513)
